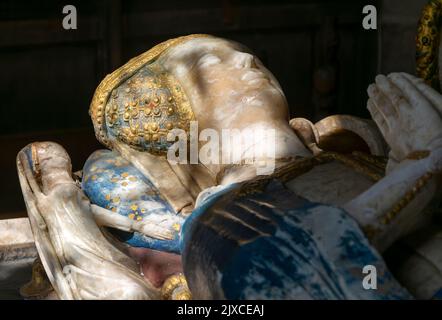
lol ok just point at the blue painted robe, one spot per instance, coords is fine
(113, 183)
(272, 244)
(242, 244)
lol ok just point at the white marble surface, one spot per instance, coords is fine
(17, 253)
(15, 232)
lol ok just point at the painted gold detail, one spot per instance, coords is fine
(175, 288)
(39, 287)
(428, 42)
(124, 73)
(406, 199)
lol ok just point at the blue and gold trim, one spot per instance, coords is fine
(113, 183)
(145, 108)
(99, 110)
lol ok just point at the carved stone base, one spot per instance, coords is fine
(17, 254)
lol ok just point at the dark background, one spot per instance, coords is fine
(318, 51)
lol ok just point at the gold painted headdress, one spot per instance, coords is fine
(428, 43)
(140, 102)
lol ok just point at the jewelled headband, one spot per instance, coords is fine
(140, 102)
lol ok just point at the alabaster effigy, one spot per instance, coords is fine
(134, 225)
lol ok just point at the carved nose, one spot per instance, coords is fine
(245, 60)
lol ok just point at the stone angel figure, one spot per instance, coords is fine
(343, 190)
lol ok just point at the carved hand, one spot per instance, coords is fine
(408, 113)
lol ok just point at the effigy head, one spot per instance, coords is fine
(139, 102)
(217, 82)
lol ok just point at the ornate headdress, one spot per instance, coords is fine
(140, 102)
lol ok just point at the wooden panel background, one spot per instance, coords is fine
(48, 74)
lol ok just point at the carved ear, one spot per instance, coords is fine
(340, 133)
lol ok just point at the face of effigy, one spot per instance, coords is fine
(228, 86)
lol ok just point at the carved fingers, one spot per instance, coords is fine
(384, 113)
(407, 112)
(105, 217)
(432, 95)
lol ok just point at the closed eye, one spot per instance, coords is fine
(208, 60)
